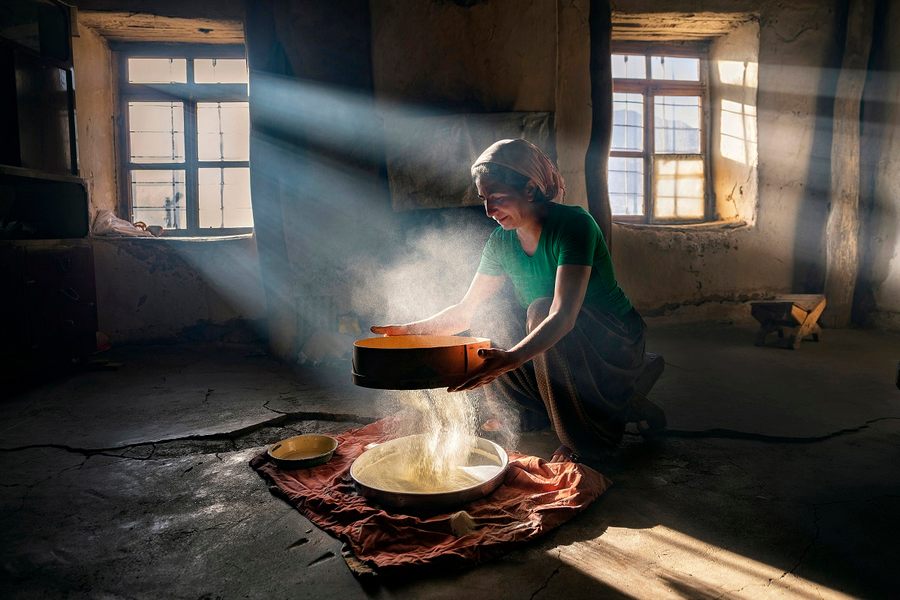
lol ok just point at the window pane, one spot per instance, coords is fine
(675, 68)
(156, 132)
(626, 185)
(223, 130)
(220, 70)
(679, 188)
(677, 124)
(157, 198)
(629, 66)
(157, 70)
(628, 122)
(225, 197)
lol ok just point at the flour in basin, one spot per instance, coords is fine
(438, 450)
(399, 466)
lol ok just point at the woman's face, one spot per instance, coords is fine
(508, 206)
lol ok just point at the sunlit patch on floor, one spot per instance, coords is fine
(683, 567)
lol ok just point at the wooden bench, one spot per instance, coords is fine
(793, 317)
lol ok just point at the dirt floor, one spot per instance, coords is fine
(778, 479)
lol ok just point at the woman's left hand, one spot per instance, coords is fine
(496, 362)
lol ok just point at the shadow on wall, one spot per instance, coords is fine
(809, 238)
(878, 283)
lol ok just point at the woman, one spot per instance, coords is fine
(583, 347)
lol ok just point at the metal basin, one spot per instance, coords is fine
(383, 473)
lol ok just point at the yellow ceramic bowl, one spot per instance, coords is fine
(303, 451)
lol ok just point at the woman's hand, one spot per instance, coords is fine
(496, 363)
(391, 329)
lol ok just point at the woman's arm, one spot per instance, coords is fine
(452, 319)
(568, 296)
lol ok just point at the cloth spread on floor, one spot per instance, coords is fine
(535, 497)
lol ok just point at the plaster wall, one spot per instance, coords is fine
(490, 57)
(154, 289)
(485, 51)
(498, 56)
(94, 110)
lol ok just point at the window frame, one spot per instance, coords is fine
(649, 89)
(189, 94)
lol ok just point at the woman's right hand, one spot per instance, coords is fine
(391, 329)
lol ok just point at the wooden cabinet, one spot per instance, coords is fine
(37, 94)
(41, 196)
(49, 307)
(41, 206)
(48, 303)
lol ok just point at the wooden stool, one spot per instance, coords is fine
(793, 317)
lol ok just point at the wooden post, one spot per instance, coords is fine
(596, 160)
(842, 230)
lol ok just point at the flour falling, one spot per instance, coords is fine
(438, 451)
(447, 422)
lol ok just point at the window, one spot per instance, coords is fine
(185, 132)
(658, 161)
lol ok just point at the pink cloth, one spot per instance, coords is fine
(524, 157)
(535, 497)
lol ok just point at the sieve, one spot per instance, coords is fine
(410, 362)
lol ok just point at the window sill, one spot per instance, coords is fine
(686, 227)
(175, 238)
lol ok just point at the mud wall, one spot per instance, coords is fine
(151, 289)
(710, 263)
(798, 47)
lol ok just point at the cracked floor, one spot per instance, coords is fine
(778, 479)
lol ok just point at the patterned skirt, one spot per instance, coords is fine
(583, 383)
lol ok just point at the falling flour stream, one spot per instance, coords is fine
(437, 454)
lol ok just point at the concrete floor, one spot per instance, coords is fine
(779, 480)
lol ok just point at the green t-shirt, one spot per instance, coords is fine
(570, 236)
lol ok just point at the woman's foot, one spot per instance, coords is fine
(647, 416)
(528, 421)
(532, 420)
(597, 457)
(564, 454)
(495, 430)
(491, 425)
